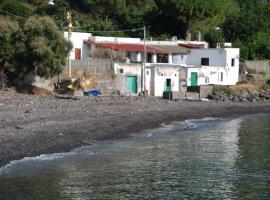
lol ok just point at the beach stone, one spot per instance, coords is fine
(236, 99)
(244, 100)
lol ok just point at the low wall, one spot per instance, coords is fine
(259, 66)
(205, 90)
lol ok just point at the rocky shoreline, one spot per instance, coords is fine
(32, 125)
(241, 96)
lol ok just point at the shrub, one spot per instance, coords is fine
(266, 86)
(3, 79)
(263, 73)
(223, 89)
(251, 71)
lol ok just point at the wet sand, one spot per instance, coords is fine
(32, 125)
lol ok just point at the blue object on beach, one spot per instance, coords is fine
(94, 93)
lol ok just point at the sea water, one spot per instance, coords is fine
(210, 158)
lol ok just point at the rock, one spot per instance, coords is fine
(265, 95)
(245, 94)
(250, 99)
(236, 99)
(244, 99)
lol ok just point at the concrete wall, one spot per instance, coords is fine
(179, 58)
(38, 82)
(122, 70)
(213, 74)
(260, 65)
(160, 74)
(115, 39)
(220, 63)
(77, 39)
(217, 57)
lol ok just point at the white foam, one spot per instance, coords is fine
(44, 157)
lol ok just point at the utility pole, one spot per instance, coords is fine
(69, 21)
(144, 61)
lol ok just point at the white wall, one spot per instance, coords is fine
(233, 71)
(115, 39)
(220, 62)
(217, 57)
(77, 39)
(160, 75)
(128, 69)
(179, 58)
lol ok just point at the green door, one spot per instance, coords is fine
(194, 78)
(131, 84)
(168, 85)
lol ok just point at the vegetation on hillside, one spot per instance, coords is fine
(245, 23)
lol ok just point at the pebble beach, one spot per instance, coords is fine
(32, 125)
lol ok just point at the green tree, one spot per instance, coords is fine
(12, 46)
(260, 46)
(45, 46)
(213, 37)
(194, 13)
(58, 11)
(16, 7)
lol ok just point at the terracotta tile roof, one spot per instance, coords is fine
(124, 46)
(170, 49)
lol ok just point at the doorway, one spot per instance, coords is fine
(194, 78)
(131, 84)
(168, 85)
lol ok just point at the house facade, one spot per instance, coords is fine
(171, 66)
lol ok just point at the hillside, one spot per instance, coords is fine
(246, 23)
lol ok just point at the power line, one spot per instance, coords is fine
(101, 31)
(13, 14)
(111, 31)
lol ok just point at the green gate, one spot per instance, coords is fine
(168, 85)
(194, 77)
(131, 84)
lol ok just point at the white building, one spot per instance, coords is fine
(80, 50)
(217, 66)
(166, 62)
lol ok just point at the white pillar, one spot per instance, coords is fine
(170, 59)
(154, 58)
(139, 57)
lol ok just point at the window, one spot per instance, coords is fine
(149, 58)
(205, 61)
(162, 58)
(77, 54)
(206, 79)
(121, 71)
(220, 77)
(233, 62)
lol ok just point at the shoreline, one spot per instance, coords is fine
(34, 125)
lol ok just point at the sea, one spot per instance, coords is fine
(209, 158)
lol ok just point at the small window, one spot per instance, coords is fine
(206, 79)
(220, 77)
(121, 71)
(205, 61)
(182, 56)
(147, 72)
(149, 58)
(78, 54)
(162, 58)
(233, 62)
